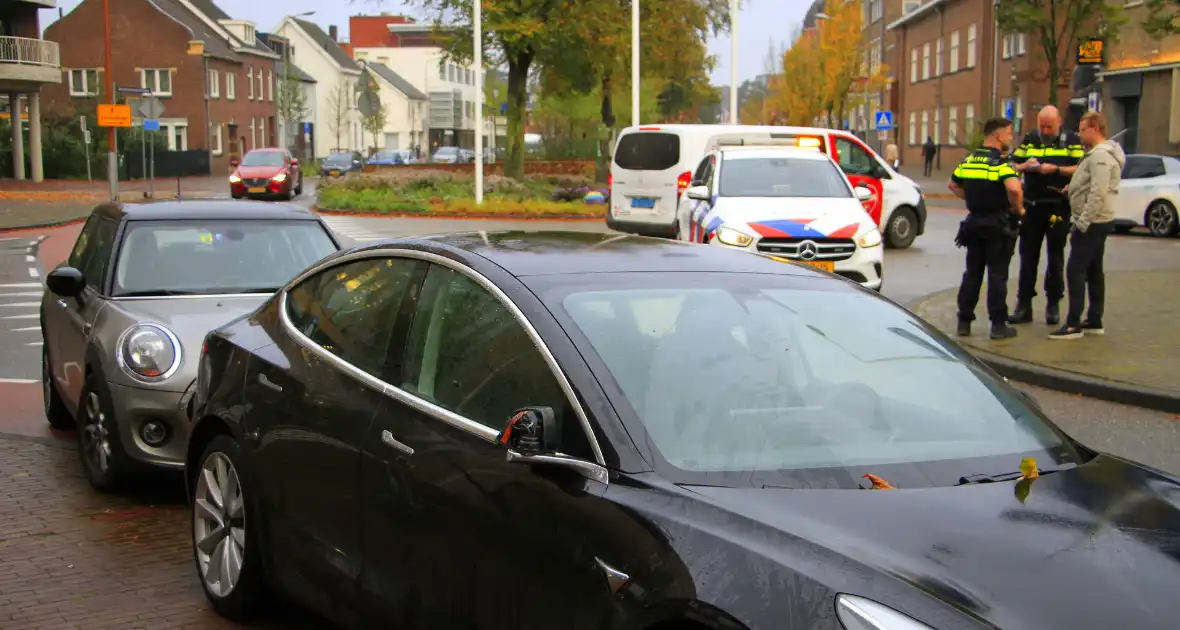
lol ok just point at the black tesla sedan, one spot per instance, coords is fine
(562, 430)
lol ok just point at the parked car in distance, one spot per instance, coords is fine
(450, 155)
(637, 433)
(1149, 194)
(266, 173)
(341, 162)
(125, 316)
(391, 158)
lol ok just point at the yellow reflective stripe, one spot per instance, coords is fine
(1034, 152)
(1075, 146)
(1019, 152)
(1077, 153)
(984, 172)
(1056, 152)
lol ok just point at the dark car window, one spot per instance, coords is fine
(778, 176)
(216, 256)
(350, 310)
(337, 158)
(92, 250)
(648, 151)
(729, 375)
(264, 158)
(853, 159)
(1143, 167)
(467, 353)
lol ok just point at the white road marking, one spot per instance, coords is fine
(18, 380)
(34, 343)
(30, 259)
(33, 316)
(33, 273)
(22, 294)
(22, 304)
(27, 329)
(21, 285)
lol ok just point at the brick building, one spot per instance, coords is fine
(953, 73)
(27, 64)
(881, 51)
(213, 75)
(1140, 68)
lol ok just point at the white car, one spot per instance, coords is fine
(1149, 194)
(785, 202)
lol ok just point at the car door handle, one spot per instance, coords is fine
(266, 382)
(389, 440)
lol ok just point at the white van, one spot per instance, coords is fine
(653, 165)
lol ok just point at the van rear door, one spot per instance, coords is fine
(645, 178)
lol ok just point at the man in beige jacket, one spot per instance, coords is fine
(1092, 191)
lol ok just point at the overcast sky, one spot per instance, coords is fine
(762, 21)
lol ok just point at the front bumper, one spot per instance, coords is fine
(865, 266)
(270, 190)
(134, 407)
(642, 228)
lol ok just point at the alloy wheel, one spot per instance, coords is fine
(95, 437)
(219, 525)
(1159, 219)
(901, 228)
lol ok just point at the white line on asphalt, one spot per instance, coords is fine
(28, 329)
(33, 273)
(17, 380)
(33, 316)
(30, 259)
(21, 285)
(34, 343)
(22, 294)
(23, 304)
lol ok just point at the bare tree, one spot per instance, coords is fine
(338, 106)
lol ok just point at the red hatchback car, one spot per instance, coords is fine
(266, 173)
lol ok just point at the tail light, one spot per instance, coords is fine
(682, 183)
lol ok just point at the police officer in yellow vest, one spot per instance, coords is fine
(991, 188)
(1047, 157)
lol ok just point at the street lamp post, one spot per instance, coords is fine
(733, 62)
(634, 63)
(112, 165)
(478, 50)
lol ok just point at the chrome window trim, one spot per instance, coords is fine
(211, 296)
(424, 406)
(121, 361)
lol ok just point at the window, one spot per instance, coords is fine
(1020, 44)
(92, 250)
(875, 56)
(648, 151)
(253, 135)
(262, 132)
(442, 71)
(937, 126)
(876, 10)
(782, 177)
(250, 83)
(925, 126)
(1006, 47)
(1143, 167)
(230, 87)
(925, 61)
(158, 80)
(215, 138)
(259, 91)
(270, 86)
(970, 46)
(214, 84)
(177, 136)
(938, 58)
(969, 120)
(350, 310)
(866, 11)
(852, 158)
(1019, 112)
(704, 172)
(467, 353)
(84, 82)
(954, 60)
(913, 130)
(914, 64)
(952, 127)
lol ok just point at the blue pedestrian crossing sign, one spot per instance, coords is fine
(1009, 108)
(884, 121)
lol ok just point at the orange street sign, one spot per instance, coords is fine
(114, 115)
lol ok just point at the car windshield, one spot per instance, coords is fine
(744, 176)
(339, 157)
(447, 151)
(734, 379)
(216, 256)
(264, 158)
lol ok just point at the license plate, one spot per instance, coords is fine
(826, 265)
(257, 190)
(333, 172)
(643, 202)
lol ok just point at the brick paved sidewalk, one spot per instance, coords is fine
(71, 557)
(1138, 349)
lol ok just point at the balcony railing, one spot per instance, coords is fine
(34, 52)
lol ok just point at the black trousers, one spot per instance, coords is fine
(1039, 227)
(1086, 251)
(991, 253)
(928, 166)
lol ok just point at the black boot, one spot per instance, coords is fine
(1022, 315)
(964, 328)
(1052, 314)
(1002, 331)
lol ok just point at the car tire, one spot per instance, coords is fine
(55, 410)
(299, 186)
(247, 595)
(235, 196)
(902, 228)
(1161, 219)
(100, 447)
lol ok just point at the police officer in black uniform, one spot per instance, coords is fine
(1047, 157)
(992, 190)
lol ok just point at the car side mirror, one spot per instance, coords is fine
(699, 193)
(294, 162)
(864, 193)
(532, 431)
(234, 162)
(66, 281)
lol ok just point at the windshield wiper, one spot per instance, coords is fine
(155, 293)
(1010, 476)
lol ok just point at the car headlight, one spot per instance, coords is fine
(234, 179)
(872, 238)
(281, 177)
(149, 352)
(858, 613)
(732, 237)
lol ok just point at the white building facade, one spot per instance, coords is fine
(405, 109)
(335, 120)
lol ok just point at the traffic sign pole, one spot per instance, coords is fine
(112, 163)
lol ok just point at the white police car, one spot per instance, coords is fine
(787, 202)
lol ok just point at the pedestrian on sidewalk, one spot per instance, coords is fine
(992, 191)
(1091, 197)
(1047, 157)
(928, 151)
(891, 156)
